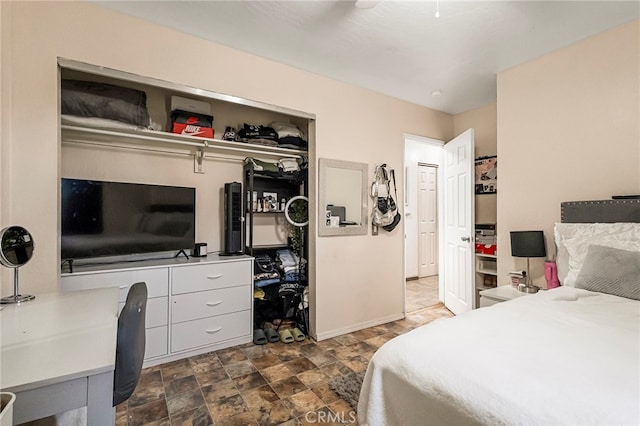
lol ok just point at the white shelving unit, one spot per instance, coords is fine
(486, 273)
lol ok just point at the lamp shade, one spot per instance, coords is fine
(528, 244)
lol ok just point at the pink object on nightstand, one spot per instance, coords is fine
(551, 274)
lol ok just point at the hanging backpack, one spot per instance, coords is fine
(385, 211)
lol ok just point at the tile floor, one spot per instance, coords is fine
(273, 384)
(421, 293)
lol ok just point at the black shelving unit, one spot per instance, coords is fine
(286, 186)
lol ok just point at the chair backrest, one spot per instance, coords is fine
(131, 343)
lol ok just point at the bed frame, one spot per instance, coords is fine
(603, 211)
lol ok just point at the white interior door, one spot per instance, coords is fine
(459, 267)
(427, 221)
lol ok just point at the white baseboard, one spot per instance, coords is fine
(357, 327)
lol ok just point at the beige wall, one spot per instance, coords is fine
(484, 122)
(352, 124)
(568, 129)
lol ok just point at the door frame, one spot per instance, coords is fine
(432, 143)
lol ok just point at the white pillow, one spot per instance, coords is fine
(573, 241)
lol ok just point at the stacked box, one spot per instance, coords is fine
(192, 124)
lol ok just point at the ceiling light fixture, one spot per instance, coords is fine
(437, 8)
(436, 93)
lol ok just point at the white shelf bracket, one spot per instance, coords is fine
(198, 161)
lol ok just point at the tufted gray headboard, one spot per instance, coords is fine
(604, 211)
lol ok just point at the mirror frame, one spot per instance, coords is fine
(362, 229)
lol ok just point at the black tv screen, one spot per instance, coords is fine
(113, 219)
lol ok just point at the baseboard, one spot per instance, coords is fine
(357, 327)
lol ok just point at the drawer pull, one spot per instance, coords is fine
(214, 303)
(214, 331)
(214, 277)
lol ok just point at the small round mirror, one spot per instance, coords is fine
(16, 249)
(16, 246)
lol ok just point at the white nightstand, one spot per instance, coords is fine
(499, 294)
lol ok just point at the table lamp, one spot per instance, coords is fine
(528, 244)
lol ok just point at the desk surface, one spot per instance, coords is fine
(58, 337)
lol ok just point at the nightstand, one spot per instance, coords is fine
(499, 294)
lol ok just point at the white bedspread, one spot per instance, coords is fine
(559, 357)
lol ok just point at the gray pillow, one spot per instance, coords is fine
(612, 271)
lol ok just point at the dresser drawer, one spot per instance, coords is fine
(157, 281)
(157, 312)
(156, 343)
(210, 276)
(190, 306)
(207, 331)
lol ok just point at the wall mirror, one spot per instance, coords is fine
(343, 198)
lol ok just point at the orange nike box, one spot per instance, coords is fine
(192, 124)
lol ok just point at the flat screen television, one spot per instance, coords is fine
(113, 219)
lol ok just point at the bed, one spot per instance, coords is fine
(567, 356)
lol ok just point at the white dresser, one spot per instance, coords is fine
(194, 305)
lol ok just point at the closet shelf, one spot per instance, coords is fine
(81, 134)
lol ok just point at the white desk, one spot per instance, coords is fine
(57, 353)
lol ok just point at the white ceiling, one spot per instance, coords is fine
(398, 47)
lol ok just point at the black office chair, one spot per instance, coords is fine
(131, 343)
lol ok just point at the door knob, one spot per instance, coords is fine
(467, 239)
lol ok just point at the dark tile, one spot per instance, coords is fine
(197, 417)
(240, 368)
(325, 393)
(322, 358)
(182, 385)
(249, 381)
(328, 344)
(243, 419)
(276, 373)
(185, 401)
(344, 353)
(148, 413)
(300, 364)
(265, 361)
(259, 396)
(310, 349)
(227, 407)
(273, 414)
(287, 353)
(176, 370)
(231, 356)
(305, 401)
(335, 369)
(357, 364)
(380, 340)
(361, 347)
(256, 351)
(211, 377)
(205, 365)
(288, 387)
(346, 339)
(150, 388)
(365, 334)
(219, 391)
(312, 377)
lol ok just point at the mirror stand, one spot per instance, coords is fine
(17, 297)
(16, 249)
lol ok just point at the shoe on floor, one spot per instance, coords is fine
(259, 337)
